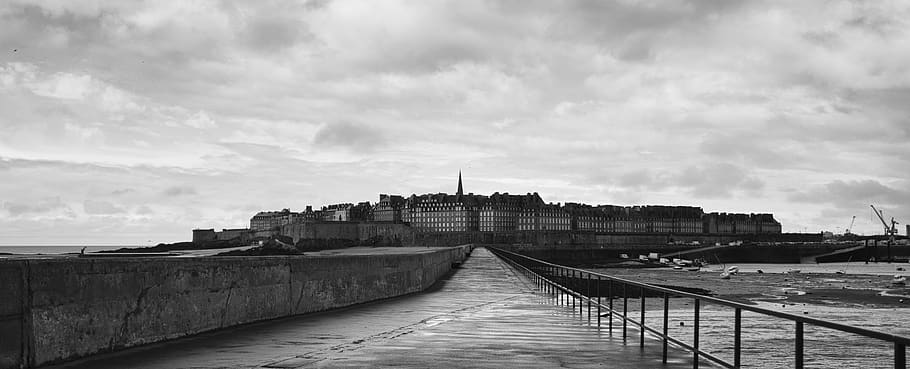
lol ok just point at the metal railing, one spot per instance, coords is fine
(570, 285)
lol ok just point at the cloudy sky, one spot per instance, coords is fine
(129, 122)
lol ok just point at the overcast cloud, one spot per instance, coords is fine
(125, 122)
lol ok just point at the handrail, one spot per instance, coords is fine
(564, 272)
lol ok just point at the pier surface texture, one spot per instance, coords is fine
(55, 310)
(483, 315)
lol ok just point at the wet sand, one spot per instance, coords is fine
(845, 290)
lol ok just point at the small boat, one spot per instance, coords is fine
(733, 269)
(677, 267)
(725, 275)
(792, 291)
(693, 269)
(899, 280)
(793, 271)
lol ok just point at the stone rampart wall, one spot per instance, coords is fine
(53, 310)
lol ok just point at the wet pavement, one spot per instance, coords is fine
(482, 315)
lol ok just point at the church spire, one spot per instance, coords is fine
(460, 190)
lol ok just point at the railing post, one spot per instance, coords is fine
(625, 307)
(562, 286)
(695, 337)
(799, 345)
(666, 324)
(641, 342)
(581, 302)
(588, 294)
(900, 356)
(550, 277)
(610, 287)
(572, 281)
(598, 301)
(737, 336)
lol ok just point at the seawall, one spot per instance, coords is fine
(54, 310)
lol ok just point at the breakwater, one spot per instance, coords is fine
(53, 310)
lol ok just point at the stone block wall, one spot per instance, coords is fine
(54, 310)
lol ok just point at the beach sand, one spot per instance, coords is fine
(845, 290)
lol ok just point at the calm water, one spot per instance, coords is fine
(48, 250)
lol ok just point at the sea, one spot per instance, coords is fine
(56, 250)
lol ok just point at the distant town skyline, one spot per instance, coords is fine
(133, 123)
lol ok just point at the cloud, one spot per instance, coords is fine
(718, 180)
(853, 193)
(101, 207)
(715, 103)
(352, 136)
(200, 120)
(122, 191)
(45, 207)
(179, 191)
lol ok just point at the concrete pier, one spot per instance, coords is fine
(481, 315)
(56, 310)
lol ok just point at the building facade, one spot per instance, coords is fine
(442, 213)
(544, 217)
(724, 223)
(267, 220)
(502, 212)
(388, 209)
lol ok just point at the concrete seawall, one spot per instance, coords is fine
(53, 310)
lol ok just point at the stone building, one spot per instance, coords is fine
(336, 212)
(500, 212)
(388, 209)
(635, 219)
(308, 215)
(724, 223)
(544, 217)
(442, 212)
(267, 220)
(362, 212)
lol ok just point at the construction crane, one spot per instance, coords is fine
(890, 229)
(847, 231)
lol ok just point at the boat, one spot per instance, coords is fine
(725, 275)
(677, 267)
(793, 271)
(732, 269)
(693, 269)
(899, 280)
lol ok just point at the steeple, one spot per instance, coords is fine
(460, 190)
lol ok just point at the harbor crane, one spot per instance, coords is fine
(890, 229)
(847, 231)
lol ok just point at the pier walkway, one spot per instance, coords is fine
(483, 315)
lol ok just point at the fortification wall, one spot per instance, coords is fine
(321, 230)
(60, 309)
